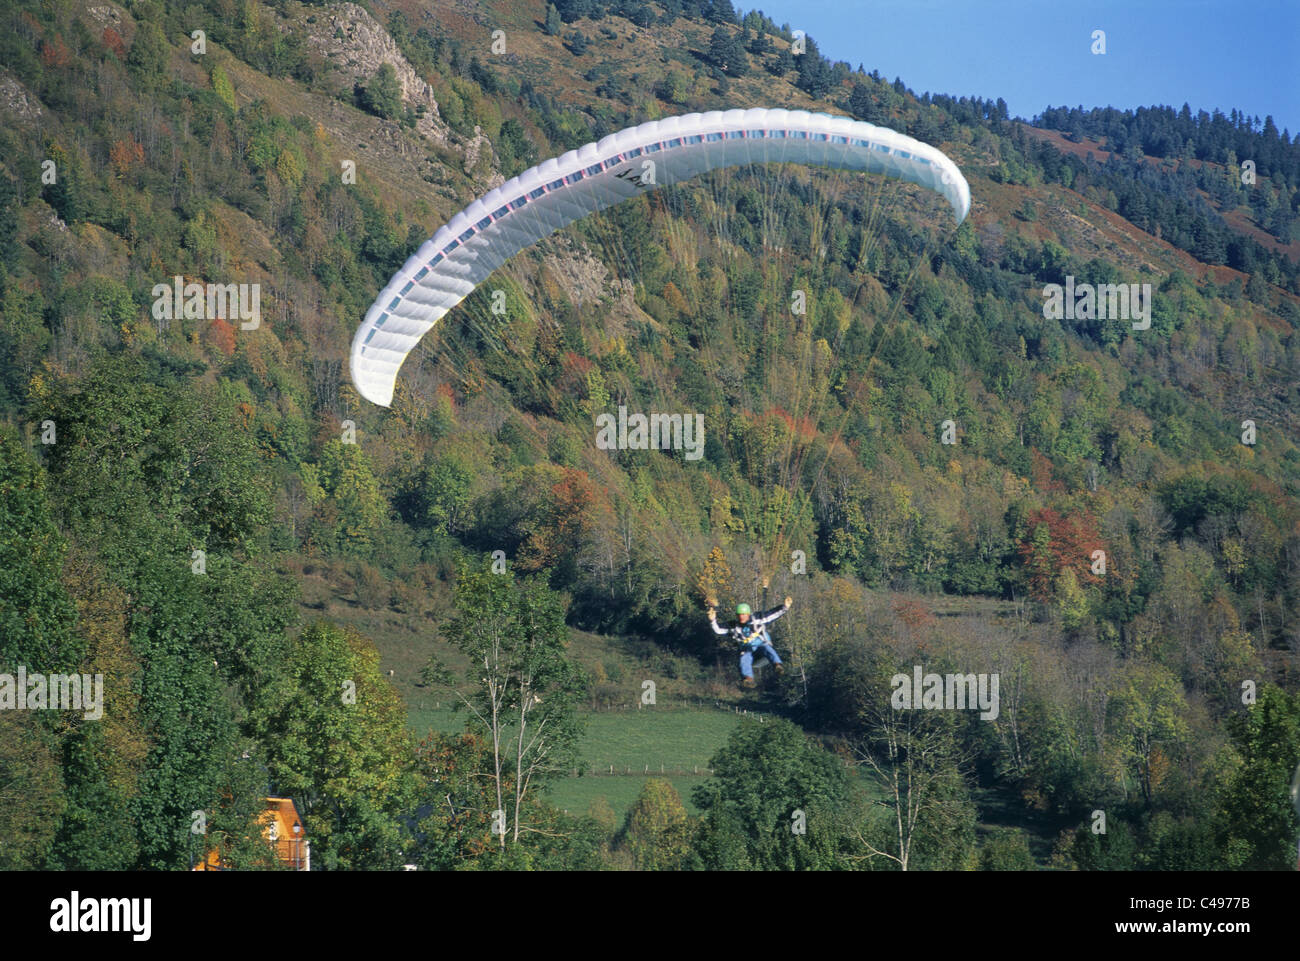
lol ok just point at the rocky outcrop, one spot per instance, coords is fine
(17, 101)
(106, 15)
(354, 42)
(477, 148)
(584, 279)
(358, 45)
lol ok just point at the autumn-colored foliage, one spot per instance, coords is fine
(913, 614)
(673, 297)
(1043, 475)
(714, 580)
(566, 524)
(1054, 543)
(222, 336)
(55, 53)
(125, 154)
(447, 391)
(114, 42)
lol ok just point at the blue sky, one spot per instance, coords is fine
(1035, 53)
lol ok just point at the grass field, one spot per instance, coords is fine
(679, 740)
(422, 716)
(671, 740)
(630, 741)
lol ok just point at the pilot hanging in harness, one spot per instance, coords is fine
(751, 634)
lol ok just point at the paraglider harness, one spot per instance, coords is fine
(753, 633)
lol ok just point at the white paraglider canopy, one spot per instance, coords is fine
(555, 193)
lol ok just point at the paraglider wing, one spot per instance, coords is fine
(548, 197)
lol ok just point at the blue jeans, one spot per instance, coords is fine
(747, 657)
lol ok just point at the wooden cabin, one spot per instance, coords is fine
(283, 830)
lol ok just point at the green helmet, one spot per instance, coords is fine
(743, 609)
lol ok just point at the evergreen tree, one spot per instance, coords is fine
(554, 22)
(1258, 825)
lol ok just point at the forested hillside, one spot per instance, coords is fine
(273, 575)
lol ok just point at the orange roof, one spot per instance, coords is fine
(278, 823)
(282, 815)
